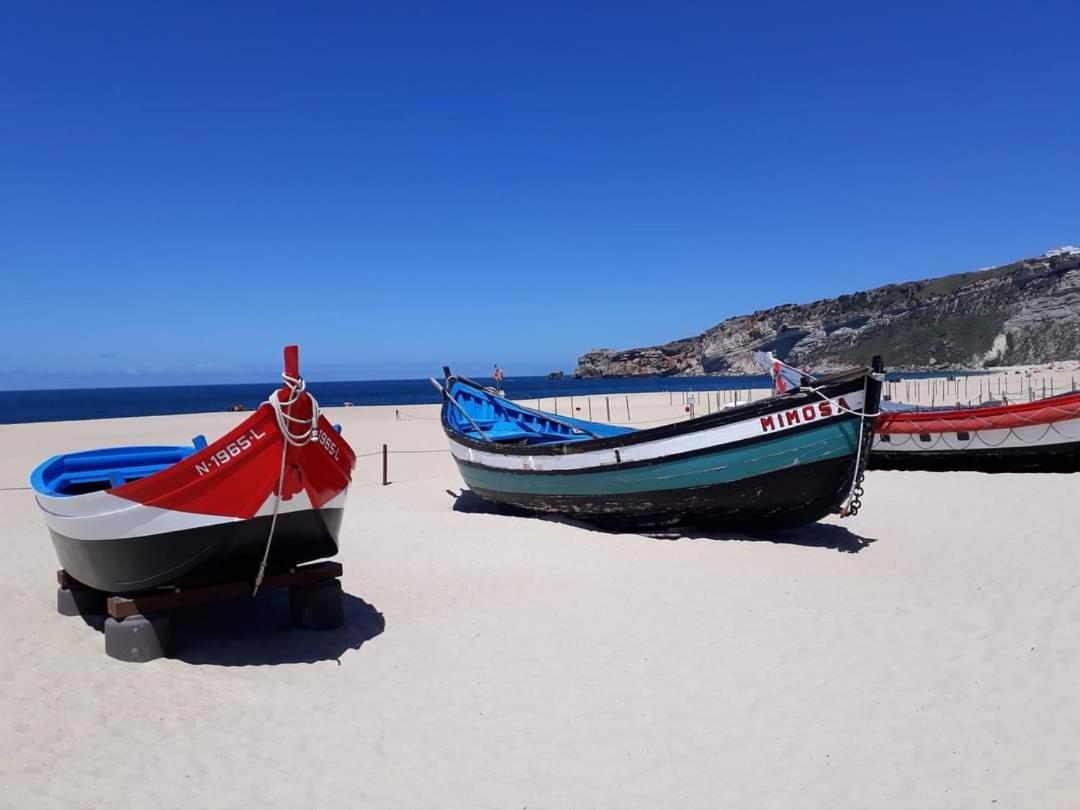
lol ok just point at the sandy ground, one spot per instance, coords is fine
(923, 654)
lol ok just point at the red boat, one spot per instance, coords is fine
(1039, 436)
(266, 496)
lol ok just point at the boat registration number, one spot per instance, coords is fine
(328, 444)
(229, 452)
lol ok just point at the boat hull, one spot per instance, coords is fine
(220, 552)
(1055, 458)
(781, 499)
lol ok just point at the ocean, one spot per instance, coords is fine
(67, 404)
(103, 403)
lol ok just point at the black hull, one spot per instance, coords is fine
(790, 497)
(220, 553)
(1060, 458)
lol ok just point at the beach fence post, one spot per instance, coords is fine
(590, 409)
(385, 471)
(669, 402)
(556, 406)
(397, 415)
(627, 407)
(607, 400)
(572, 410)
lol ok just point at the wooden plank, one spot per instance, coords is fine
(120, 607)
(65, 580)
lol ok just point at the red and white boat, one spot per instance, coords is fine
(266, 496)
(1039, 436)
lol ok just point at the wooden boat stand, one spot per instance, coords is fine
(138, 626)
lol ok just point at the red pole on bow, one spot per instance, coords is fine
(292, 369)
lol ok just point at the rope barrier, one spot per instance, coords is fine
(631, 422)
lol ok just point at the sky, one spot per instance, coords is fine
(187, 187)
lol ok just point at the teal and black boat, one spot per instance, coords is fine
(782, 461)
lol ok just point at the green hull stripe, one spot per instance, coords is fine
(723, 466)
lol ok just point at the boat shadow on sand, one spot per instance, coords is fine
(813, 535)
(255, 632)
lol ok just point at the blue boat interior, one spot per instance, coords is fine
(108, 468)
(95, 470)
(503, 422)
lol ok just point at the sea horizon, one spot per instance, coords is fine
(77, 404)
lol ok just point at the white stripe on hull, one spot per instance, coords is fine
(660, 448)
(1028, 436)
(103, 516)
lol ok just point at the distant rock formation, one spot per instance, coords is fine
(1021, 313)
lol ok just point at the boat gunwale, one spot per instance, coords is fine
(764, 438)
(826, 387)
(894, 418)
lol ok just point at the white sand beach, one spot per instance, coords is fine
(924, 654)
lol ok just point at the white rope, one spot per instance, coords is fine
(843, 409)
(297, 388)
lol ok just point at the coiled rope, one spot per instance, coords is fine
(285, 420)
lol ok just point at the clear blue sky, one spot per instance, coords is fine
(183, 188)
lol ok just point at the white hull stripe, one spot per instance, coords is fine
(116, 518)
(660, 448)
(1043, 435)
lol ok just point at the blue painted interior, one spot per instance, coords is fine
(503, 421)
(94, 470)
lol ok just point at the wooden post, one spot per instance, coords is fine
(669, 402)
(627, 407)
(556, 406)
(590, 409)
(385, 472)
(607, 400)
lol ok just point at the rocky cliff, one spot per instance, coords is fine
(1021, 313)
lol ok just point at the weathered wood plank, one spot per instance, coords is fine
(120, 607)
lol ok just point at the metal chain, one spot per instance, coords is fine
(866, 439)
